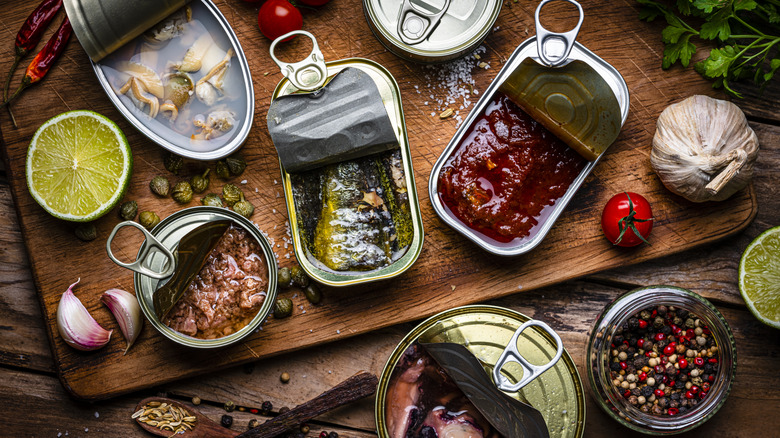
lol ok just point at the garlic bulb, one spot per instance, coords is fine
(125, 308)
(703, 149)
(76, 325)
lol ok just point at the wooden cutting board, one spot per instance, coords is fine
(450, 272)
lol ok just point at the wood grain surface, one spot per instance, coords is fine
(450, 270)
(28, 380)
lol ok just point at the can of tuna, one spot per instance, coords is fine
(430, 31)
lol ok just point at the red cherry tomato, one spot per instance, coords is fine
(313, 2)
(627, 219)
(278, 17)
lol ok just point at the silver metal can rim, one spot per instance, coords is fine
(180, 148)
(408, 52)
(170, 224)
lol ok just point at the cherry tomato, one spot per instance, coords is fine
(313, 2)
(278, 17)
(627, 219)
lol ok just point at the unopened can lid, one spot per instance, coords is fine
(431, 30)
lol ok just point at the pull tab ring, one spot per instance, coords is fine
(415, 25)
(530, 371)
(554, 48)
(307, 75)
(150, 243)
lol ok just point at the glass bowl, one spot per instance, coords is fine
(615, 402)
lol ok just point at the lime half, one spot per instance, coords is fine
(78, 165)
(759, 277)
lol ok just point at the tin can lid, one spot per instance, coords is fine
(431, 30)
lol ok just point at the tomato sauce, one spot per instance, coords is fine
(506, 173)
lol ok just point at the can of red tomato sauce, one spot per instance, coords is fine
(529, 143)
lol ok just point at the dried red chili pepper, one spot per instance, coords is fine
(43, 61)
(30, 34)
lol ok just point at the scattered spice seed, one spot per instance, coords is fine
(196, 401)
(305, 428)
(446, 113)
(266, 407)
(165, 417)
(285, 377)
(226, 421)
(229, 406)
(253, 423)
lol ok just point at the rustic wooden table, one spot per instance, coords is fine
(38, 405)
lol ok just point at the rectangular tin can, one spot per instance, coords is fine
(104, 44)
(527, 49)
(486, 330)
(391, 97)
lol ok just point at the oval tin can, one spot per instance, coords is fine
(486, 330)
(391, 98)
(429, 31)
(156, 128)
(169, 232)
(526, 50)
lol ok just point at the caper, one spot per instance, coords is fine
(148, 219)
(86, 232)
(236, 165)
(200, 183)
(283, 308)
(160, 185)
(285, 278)
(231, 194)
(244, 207)
(222, 170)
(212, 200)
(128, 210)
(312, 292)
(182, 192)
(299, 278)
(173, 163)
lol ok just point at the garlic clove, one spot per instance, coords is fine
(127, 312)
(76, 326)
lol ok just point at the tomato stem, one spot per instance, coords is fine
(627, 223)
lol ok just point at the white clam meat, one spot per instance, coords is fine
(210, 87)
(704, 149)
(214, 125)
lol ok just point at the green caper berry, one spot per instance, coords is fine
(313, 294)
(160, 185)
(86, 232)
(200, 183)
(231, 194)
(285, 278)
(299, 278)
(128, 210)
(236, 165)
(244, 207)
(148, 219)
(182, 192)
(222, 170)
(173, 163)
(283, 308)
(212, 200)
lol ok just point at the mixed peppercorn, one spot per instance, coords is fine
(663, 360)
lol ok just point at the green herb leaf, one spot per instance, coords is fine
(708, 5)
(719, 62)
(744, 5)
(683, 51)
(773, 67)
(717, 28)
(771, 13)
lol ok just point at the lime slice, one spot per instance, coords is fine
(78, 165)
(759, 277)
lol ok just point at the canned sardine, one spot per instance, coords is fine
(430, 31)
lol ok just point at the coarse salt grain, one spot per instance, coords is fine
(97, 414)
(243, 181)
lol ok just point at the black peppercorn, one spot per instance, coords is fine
(266, 407)
(615, 366)
(633, 323)
(226, 421)
(335, 435)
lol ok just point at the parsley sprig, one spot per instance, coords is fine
(747, 33)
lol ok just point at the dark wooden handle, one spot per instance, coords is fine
(356, 387)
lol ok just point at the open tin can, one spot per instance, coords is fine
(310, 75)
(174, 69)
(428, 31)
(486, 331)
(537, 71)
(156, 262)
